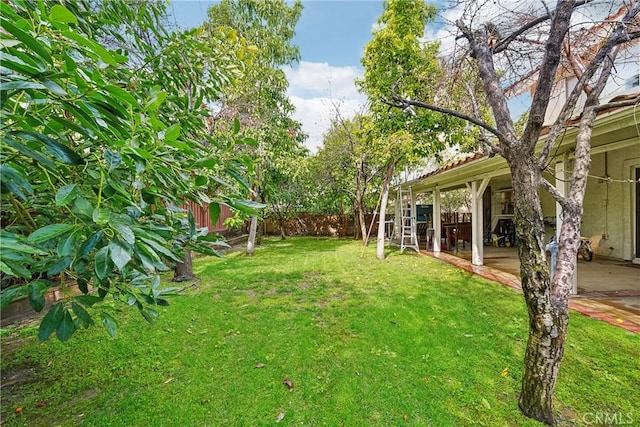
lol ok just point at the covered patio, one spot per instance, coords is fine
(611, 208)
(607, 290)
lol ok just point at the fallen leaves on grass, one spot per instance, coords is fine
(259, 365)
(280, 417)
(505, 372)
(168, 381)
(288, 383)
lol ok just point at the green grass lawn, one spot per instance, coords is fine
(407, 341)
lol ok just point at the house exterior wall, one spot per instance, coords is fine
(609, 206)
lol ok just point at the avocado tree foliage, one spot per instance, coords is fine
(100, 150)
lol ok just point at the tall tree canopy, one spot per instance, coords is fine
(259, 98)
(397, 61)
(99, 150)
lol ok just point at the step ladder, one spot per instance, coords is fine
(408, 227)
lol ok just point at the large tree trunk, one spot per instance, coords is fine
(183, 271)
(548, 318)
(251, 241)
(384, 198)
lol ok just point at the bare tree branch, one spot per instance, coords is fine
(576, 64)
(553, 191)
(405, 103)
(492, 86)
(617, 37)
(546, 75)
(504, 43)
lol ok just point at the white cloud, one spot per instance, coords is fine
(316, 114)
(316, 89)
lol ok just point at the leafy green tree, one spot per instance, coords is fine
(259, 99)
(97, 157)
(396, 61)
(348, 169)
(284, 188)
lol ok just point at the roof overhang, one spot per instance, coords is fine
(612, 131)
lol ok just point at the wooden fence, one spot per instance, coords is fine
(201, 215)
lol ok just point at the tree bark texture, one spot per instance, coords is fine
(361, 188)
(183, 271)
(548, 318)
(283, 234)
(251, 241)
(384, 198)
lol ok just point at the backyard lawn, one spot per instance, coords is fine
(310, 332)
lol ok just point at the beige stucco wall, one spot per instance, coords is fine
(609, 206)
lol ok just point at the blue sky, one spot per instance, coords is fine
(331, 36)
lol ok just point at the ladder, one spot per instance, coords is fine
(408, 229)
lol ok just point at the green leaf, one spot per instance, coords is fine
(172, 133)
(122, 95)
(36, 299)
(160, 248)
(119, 254)
(14, 268)
(66, 194)
(13, 181)
(35, 155)
(155, 101)
(60, 13)
(149, 314)
(82, 207)
(83, 285)
(214, 212)
(21, 85)
(58, 150)
(11, 293)
(101, 216)
(192, 223)
(55, 88)
(201, 180)
(110, 324)
(126, 233)
(95, 47)
(246, 206)
(66, 327)
(236, 126)
(50, 321)
(66, 245)
(112, 159)
(103, 266)
(90, 243)
(83, 315)
(37, 47)
(60, 265)
(88, 300)
(49, 232)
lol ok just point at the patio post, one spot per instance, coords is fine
(562, 184)
(437, 223)
(477, 221)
